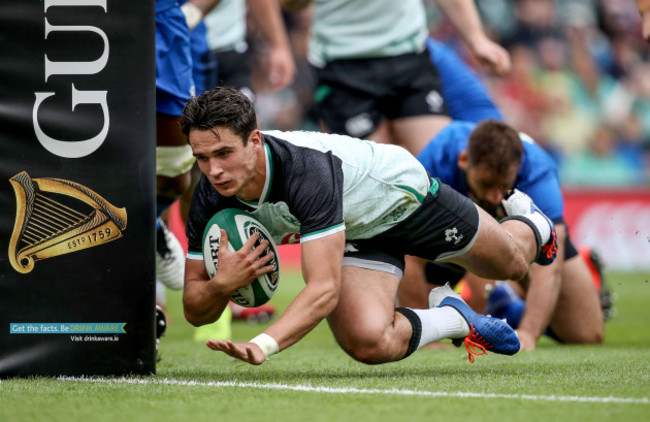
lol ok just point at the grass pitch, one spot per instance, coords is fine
(315, 381)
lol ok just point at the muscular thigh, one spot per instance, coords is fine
(449, 227)
(497, 253)
(366, 305)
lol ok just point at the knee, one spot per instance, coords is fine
(595, 336)
(366, 353)
(367, 348)
(599, 337)
(518, 267)
(511, 265)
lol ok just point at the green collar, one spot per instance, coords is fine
(266, 191)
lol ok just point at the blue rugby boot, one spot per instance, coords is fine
(486, 333)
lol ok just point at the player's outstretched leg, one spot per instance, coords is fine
(486, 332)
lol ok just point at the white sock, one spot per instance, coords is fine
(520, 204)
(542, 226)
(441, 323)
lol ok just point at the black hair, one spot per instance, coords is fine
(496, 145)
(223, 107)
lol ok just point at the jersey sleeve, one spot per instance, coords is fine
(315, 193)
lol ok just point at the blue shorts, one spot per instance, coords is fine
(174, 82)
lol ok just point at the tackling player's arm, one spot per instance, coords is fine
(542, 295)
(205, 298)
(281, 67)
(321, 268)
(466, 19)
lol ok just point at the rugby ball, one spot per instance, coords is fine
(241, 225)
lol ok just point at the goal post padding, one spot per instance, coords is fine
(77, 187)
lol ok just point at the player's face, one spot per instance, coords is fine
(229, 165)
(488, 188)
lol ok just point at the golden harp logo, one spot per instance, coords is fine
(55, 217)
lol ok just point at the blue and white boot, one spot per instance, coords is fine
(486, 332)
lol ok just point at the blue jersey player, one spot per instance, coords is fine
(484, 162)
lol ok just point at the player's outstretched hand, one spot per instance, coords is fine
(248, 352)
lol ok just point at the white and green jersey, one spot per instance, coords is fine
(320, 184)
(355, 29)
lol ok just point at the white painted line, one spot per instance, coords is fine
(332, 390)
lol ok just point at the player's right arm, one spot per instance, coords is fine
(321, 267)
(205, 298)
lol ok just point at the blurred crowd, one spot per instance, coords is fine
(579, 84)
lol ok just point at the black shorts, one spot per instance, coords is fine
(570, 249)
(354, 96)
(444, 226)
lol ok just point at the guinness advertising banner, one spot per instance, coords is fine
(77, 187)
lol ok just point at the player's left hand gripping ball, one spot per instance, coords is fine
(240, 225)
